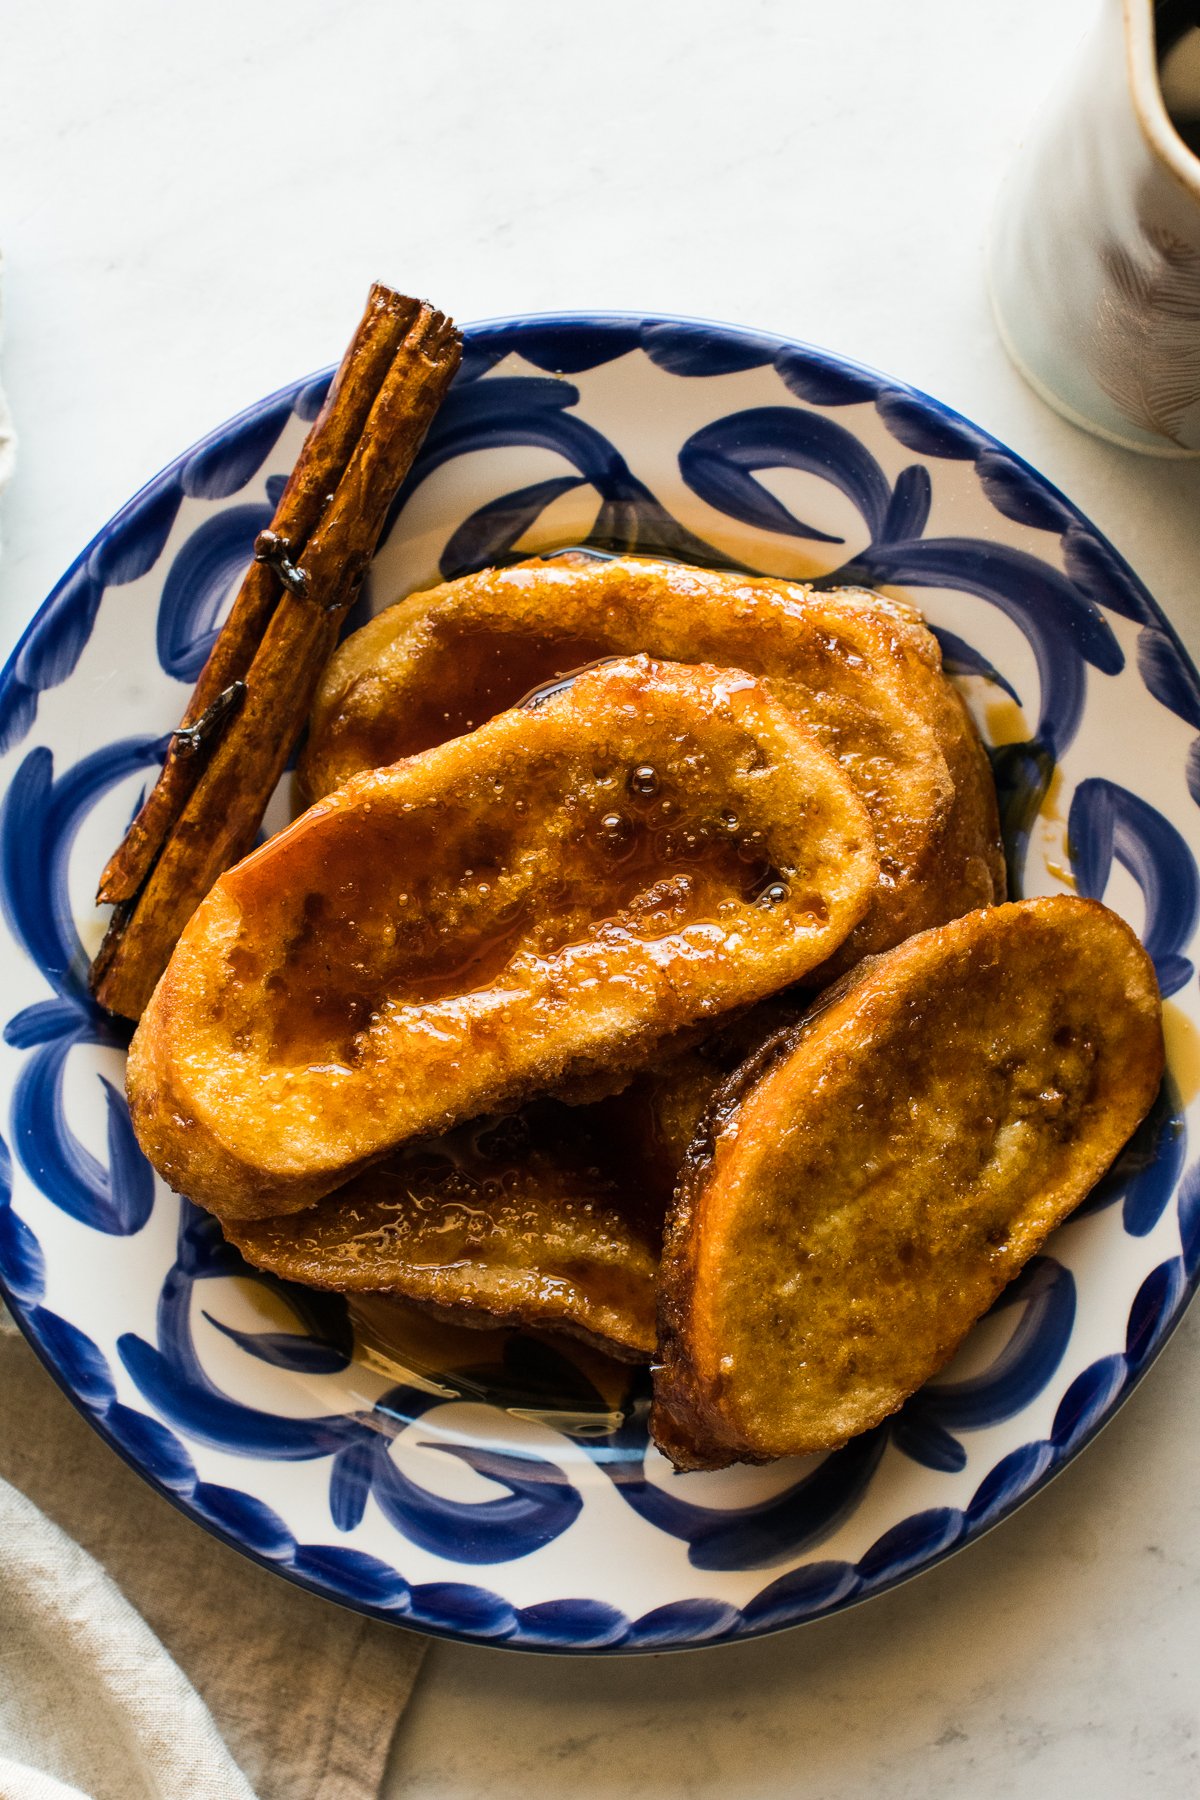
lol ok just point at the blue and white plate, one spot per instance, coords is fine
(487, 1486)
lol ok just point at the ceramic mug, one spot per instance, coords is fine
(1094, 261)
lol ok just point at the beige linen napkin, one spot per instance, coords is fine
(305, 1694)
(87, 1690)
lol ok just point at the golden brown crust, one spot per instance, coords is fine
(505, 912)
(860, 670)
(967, 855)
(866, 1184)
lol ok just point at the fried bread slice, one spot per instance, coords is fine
(867, 1183)
(549, 1218)
(862, 672)
(548, 897)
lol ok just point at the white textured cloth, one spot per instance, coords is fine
(88, 1695)
(99, 1701)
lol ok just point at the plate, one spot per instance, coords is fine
(487, 1486)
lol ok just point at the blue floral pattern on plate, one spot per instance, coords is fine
(493, 1487)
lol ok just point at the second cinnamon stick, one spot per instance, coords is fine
(319, 467)
(218, 822)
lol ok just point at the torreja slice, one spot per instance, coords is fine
(549, 1217)
(867, 1183)
(861, 671)
(542, 900)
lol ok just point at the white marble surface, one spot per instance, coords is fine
(195, 200)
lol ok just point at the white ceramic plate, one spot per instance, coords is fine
(496, 1488)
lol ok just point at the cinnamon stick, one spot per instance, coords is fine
(321, 462)
(203, 822)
